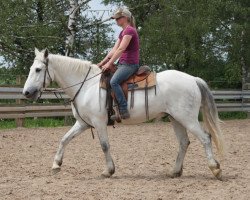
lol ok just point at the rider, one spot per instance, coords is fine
(126, 49)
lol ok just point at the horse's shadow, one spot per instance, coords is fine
(164, 177)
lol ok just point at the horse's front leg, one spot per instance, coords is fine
(76, 130)
(104, 141)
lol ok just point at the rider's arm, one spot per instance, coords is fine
(110, 54)
(122, 47)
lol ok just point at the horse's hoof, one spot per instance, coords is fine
(218, 174)
(56, 168)
(215, 168)
(174, 174)
(106, 174)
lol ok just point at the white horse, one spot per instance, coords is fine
(178, 94)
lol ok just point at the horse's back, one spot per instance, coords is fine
(173, 79)
(175, 74)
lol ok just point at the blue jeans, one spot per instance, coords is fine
(123, 72)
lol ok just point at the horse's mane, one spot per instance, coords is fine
(74, 64)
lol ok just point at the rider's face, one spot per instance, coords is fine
(121, 20)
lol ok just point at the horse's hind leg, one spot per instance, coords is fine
(73, 132)
(205, 139)
(182, 137)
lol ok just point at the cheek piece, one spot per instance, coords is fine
(45, 75)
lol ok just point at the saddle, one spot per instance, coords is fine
(142, 79)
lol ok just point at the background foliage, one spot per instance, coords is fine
(209, 39)
(43, 23)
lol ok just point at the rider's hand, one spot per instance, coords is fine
(99, 64)
(106, 66)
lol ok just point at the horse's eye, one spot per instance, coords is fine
(38, 69)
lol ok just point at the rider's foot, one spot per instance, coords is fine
(113, 117)
(124, 114)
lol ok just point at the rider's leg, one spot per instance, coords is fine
(122, 73)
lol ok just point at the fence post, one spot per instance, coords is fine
(67, 121)
(19, 121)
(246, 87)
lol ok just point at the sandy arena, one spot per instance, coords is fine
(143, 154)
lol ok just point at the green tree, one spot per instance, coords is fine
(29, 24)
(209, 39)
(43, 23)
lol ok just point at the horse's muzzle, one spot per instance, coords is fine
(31, 93)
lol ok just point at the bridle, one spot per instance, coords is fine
(46, 63)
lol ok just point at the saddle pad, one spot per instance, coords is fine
(149, 80)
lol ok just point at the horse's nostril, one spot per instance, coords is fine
(26, 93)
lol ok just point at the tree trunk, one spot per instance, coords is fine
(244, 64)
(70, 39)
(39, 10)
(73, 13)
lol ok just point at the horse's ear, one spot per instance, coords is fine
(36, 51)
(46, 53)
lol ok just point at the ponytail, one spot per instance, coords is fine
(132, 21)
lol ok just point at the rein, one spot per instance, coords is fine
(76, 94)
(61, 89)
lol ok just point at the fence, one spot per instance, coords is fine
(21, 110)
(233, 100)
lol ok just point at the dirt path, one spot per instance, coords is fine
(143, 154)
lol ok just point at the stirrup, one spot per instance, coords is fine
(116, 117)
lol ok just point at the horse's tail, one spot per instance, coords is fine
(210, 115)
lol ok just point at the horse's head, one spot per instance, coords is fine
(39, 75)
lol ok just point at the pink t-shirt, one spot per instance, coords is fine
(131, 54)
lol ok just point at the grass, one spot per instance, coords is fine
(39, 122)
(60, 121)
(44, 122)
(232, 115)
(222, 116)
(7, 124)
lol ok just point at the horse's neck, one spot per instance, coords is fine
(65, 74)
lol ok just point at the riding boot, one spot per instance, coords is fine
(124, 114)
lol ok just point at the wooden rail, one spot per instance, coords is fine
(233, 100)
(7, 112)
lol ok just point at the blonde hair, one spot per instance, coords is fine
(125, 13)
(132, 21)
